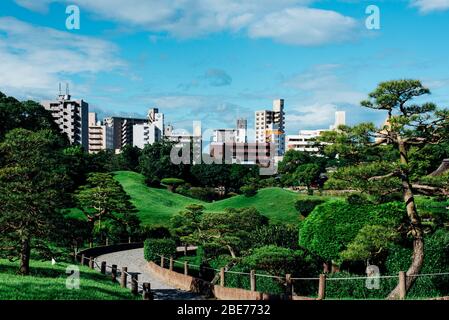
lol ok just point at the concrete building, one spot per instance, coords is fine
(122, 130)
(241, 153)
(340, 120)
(100, 135)
(183, 138)
(151, 131)
(305, 140)
(238, 135)
(242, 131)
(270, 126)
(71, 116)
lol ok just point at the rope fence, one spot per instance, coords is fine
(289, 282)
(119, 275)
(125, 277)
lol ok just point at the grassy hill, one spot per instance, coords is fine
(156, 206)
(275, 203)
(48, 282)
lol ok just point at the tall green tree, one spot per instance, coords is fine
(32, 184)
(103, 199)
(307, 175)
(409, 125)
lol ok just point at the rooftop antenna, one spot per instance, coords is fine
(67, 88)
(60, 91)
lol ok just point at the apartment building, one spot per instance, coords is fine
(151, 131)
(122, 134)
(305, 141)
(183, 138)
(100, 135)
(270, 126)
(71, 116)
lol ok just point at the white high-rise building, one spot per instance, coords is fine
(151, 131)
(340, 120)
(242, 131)
(71, 116)
(270, 126)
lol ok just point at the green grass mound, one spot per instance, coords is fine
(275, 203)
(48, 282)
(155, 206)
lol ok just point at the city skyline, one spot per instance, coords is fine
(215, 63)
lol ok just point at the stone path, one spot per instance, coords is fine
(134, 260)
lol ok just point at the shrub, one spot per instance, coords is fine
(204, 194)
(329, 229)
(249, 191)
(306, 206)
(155, 247)
(357, 199)
(155, 232)
(281, 235)
(172, 183)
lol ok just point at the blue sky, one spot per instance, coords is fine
(216, 60)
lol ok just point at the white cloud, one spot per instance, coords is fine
(324, 84)
(304, 26)
(35, 58)
(286, 21)
(426, 6)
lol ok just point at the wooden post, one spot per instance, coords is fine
(146, 294)
(171, 264)
(402, 285)
(103, 267)
(162, 261)
(91, 263)
(114, 272)
(289, 284)
(252, 280)
(107, 241)
(322, 287)
(222, 277)
(90, 244)
(83, 260)
(186, 268)
(134, 283)
(123, 277)
(129, 239)
(185, 249)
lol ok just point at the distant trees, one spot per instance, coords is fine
(155, 163)
(301, 168)
(307, 175)
(28, 115)
(33, 181)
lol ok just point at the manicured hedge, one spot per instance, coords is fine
(155, 247)
(306, 206)
(333, 225)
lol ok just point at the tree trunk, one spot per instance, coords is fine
(415, 225)
(231, 251)
(25, 257)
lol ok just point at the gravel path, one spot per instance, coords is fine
(134, 260)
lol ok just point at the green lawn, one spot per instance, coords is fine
(48, 282)
(156, 206)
